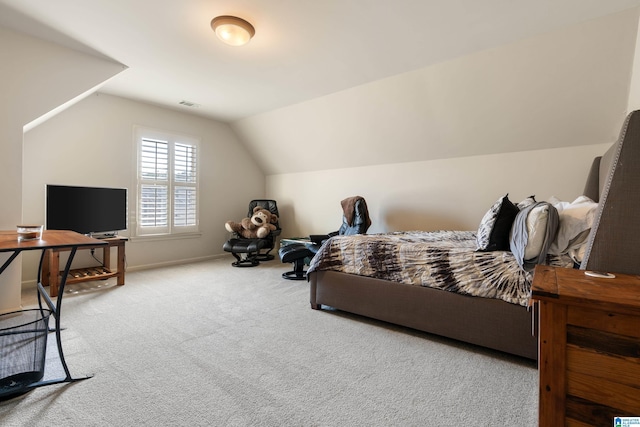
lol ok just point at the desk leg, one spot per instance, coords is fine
(53, 275)
(60, 293)
(120, 263)
(106, 257)
(56, 311)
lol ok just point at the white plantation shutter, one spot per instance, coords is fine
(167, 184)
(184, 193)
(154, 185)
(184, 212)
(185, 163)
(154, 160)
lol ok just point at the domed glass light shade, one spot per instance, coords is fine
(232, 30)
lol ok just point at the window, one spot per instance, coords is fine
(167, 183)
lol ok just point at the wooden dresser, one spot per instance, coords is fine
(589, 344)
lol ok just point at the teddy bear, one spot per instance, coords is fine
(258, 226)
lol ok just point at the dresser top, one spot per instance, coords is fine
(574, 287)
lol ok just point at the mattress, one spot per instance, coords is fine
(447, 260)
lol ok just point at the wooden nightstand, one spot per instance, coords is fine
(589, 344)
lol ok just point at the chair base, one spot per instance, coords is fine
(298, 272)
(295, 254)
(245, 251)
(295, 275)
(249, 260)
(264, 257)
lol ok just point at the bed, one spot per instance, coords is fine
(440, 283)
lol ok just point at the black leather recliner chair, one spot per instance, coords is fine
(249, 252)
(355, 220)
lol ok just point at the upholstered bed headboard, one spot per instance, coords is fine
(614, 182)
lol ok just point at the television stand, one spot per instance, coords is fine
(51, 266)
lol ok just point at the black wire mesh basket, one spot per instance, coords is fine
(23, 346)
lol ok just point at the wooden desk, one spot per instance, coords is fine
(51, 265)
(589, 338)
(53, 239)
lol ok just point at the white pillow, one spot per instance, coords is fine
(527, 202)
(579, 247)
(576, 219)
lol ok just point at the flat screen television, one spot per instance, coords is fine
(86, 210)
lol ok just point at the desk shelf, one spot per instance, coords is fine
(90, 273)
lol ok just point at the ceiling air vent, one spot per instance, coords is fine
(189, 104)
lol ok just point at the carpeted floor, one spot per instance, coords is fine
(207, 344)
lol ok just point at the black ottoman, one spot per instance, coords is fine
(245, 251)
(295, 253)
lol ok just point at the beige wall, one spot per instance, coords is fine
(92, 144)
(450, 194)
(35, 77)
(448, 140)
(634, 90)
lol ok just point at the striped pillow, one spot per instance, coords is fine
(493, 232)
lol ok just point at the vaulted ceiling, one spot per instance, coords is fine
(303, 49)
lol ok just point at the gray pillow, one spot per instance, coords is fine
(532, 233)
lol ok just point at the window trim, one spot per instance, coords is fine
(172, 138)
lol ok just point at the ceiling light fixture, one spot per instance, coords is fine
(232, 30)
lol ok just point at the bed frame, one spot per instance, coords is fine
(613, 245)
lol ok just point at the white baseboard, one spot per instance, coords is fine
(31, 284)
(175, 262)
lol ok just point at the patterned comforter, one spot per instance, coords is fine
(446, 260)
